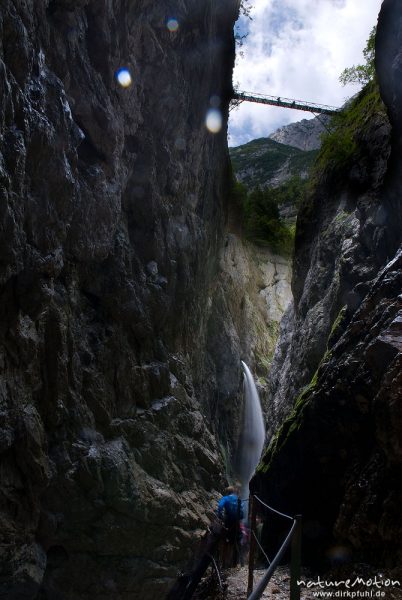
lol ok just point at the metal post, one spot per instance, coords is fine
(295, 560)
(262, 584)
(251, 559)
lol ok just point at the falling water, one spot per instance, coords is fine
(253, 435)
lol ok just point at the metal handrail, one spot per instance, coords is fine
(261, 548)
(293, 538)
(259, 590)
(274, 509)
(285, 102)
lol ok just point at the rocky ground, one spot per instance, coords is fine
(278, 587)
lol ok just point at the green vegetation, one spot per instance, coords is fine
(336, 325)
(281, 438)
(246, 8)
(295, 419)
(264, 354)
(225, 455)
(290, 425)
(341, 147)
(292, 191)
(258, 161)
(262, 163)
(259, 210)
(362, 74)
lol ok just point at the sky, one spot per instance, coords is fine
(297, 49)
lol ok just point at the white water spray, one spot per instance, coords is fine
(253, 436)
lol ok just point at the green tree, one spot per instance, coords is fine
(263, 225)
(258, 213)
(362, 74)
(245, 8)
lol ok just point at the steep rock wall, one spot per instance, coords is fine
(305, 134)
(342, 240)
(251, 295)
(112, 211)
(337, 458)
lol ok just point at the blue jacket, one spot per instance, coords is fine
(228, 508)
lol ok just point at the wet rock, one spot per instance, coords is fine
(252, 292)
(107, 259)
(337, 457)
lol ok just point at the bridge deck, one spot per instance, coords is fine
(285, 103)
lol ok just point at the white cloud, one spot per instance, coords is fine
(297, 49)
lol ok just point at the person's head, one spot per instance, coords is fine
(230, 490)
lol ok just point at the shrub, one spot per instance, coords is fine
(341, 146)
(260, 217)
(362, 74)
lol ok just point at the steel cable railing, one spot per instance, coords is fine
(293, 539)
(274, 509)
(261, 548)
(284, 102)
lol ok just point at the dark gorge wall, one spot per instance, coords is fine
(111, 216)
(337, 457)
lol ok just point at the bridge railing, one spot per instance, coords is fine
(292, 539)
(285, 102)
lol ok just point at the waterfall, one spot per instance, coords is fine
(253, 435)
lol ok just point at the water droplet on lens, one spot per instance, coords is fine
(213, 120)
(215, 101)
(180, 143)
(173, 25)
(123, 77)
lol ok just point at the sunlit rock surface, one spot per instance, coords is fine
(111, 223)
(305, 134)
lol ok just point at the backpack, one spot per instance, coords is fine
(233, 508)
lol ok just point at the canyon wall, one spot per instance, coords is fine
(112, 217)
(336, 376)
(252, 293)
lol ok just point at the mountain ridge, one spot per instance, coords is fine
(267, 163)
(304, 135)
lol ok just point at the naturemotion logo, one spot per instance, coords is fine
(350, 588)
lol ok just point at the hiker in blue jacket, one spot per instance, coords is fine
(230, 512)
(230, 507)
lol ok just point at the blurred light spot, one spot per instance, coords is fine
(172, 25)
(123, 77)
(215, 101)
(180, 144)
(138, 191)
(339, 554)
(213, 121)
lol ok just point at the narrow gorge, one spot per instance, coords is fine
(335, 381)
(130, 294)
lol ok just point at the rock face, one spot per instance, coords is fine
(254, 289)
(337, 457)
(251, 293)
(112, 212)
(305, 134)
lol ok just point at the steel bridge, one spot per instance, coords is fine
(322, 109)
